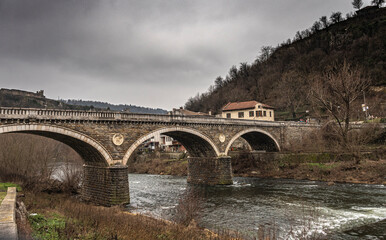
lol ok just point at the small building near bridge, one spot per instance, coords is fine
(250, 110)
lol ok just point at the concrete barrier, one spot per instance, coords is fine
(8, 227)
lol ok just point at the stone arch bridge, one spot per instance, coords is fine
(107, 140)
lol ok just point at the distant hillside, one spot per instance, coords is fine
(24, 99)
(281, 76)
(120, 107)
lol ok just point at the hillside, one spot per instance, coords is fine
(24, 99)
(281, 76)
(119, 107)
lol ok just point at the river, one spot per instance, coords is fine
(287, 207)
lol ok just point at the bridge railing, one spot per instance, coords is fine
(56, 113)
(61, 114)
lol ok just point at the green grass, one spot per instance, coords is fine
(47, 227)
(4, 186)
(322, 165)
(2, 196)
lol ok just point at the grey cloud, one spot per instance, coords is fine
(176, 46)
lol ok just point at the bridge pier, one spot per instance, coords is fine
(210, 171)
(105, 186)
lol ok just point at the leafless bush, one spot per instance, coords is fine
(188, 208)
(71, 176)
(267, 232)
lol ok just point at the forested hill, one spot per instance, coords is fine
(281, 76)
(119, 107)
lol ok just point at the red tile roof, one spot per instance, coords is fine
(243, 105)
(189, 113)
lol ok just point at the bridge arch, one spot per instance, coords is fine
(258, 140)
(197, 144)
(89, 149)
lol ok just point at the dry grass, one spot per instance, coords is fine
(82, 220)
(188, 208)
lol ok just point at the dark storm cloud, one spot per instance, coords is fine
(154, 53)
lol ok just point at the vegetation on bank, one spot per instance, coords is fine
(330, 167)
(60, 216)
(153, 163)
(346, 168)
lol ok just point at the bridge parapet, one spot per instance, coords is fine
(60, 114)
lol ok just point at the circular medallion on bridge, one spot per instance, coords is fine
(221, 138)
(118, 139)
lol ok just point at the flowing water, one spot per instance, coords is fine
(288, 207)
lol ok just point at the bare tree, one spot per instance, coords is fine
(336, 17)
(324, 21)
(266, 52)
(292, 89)
(378, 3)
(357, 4)
(335, 91)
(32, 160)
(316, 27)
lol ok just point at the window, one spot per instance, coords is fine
(259, 106)
(265, 113)
(270, 113)
(251, 113)
(241, 114)
(259, 113)
(228, 115)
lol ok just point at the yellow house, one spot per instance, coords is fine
(250, 110)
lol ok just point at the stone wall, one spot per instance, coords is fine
(8, 227)
(210, 171)
(106, 186)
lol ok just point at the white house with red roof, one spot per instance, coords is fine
(250, 110)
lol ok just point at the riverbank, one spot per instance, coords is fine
(62, 216)
(365, 171)
(326, 167)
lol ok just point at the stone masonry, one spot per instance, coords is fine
(210, 171)
(106, 185)
(108, 139)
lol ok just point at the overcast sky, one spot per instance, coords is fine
(146, 53)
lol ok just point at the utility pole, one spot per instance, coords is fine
(364, 106)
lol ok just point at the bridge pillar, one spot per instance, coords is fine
(105, 186)
(210, 171)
